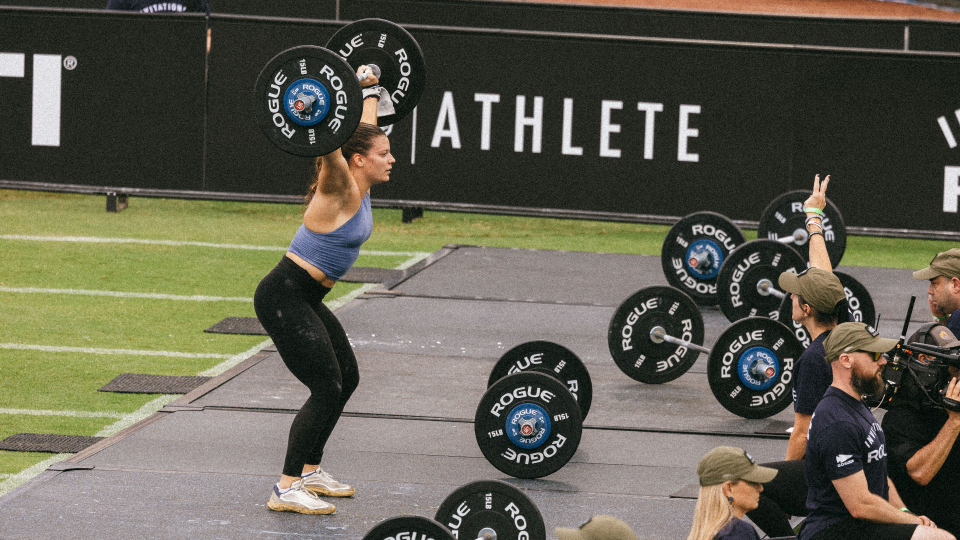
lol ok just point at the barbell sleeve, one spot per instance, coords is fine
(798, 237)
(765, 287)
(658, 335)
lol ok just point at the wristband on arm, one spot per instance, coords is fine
(815, 220)
(372, 91)
(813, 210)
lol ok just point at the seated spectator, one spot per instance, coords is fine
(730, 486)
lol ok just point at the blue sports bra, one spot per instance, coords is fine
(336, 251)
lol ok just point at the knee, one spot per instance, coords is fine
(326, 392)
(350, 383)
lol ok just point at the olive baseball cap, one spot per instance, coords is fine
(944, 264)
(729, 464)
(819, 288)
(855, 336)
(598, 528)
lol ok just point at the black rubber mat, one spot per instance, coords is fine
(368, 274)
(45, 442)
(689, 491)
(776, 427)
(248, 326)
(135, 383)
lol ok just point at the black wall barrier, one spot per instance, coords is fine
(517, 120)
(239, 158)
(630, 21)
(666, 129)
(99, 98)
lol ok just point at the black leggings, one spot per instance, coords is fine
(785, 495)
(315, 348)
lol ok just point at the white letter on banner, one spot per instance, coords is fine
(11, 64)
(46, 99)
(687, 132)
(567, 147)
(651, 109)
(606, 128)
(448, 115)
(486, 112)
(951, 189)
(535, 121)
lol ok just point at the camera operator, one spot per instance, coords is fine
(922, 434)
(943, 295)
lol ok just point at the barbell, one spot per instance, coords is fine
(656, 335)
(696, 247)
(308, 99)
(484, 510)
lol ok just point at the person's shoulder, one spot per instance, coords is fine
(737, 529)
(832, 402)
(816, 352)
(953, 323)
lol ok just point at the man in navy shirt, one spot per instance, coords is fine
(943, 295)
(849, 494)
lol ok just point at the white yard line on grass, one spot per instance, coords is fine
(75, 414)
(126, 420)
(101, 240)
(9, 482)
(115, 294)
(91, 350)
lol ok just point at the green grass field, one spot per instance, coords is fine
(86, 295)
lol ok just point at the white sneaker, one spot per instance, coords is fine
(298, 499)
(322, 483)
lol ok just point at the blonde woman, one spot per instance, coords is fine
(730, 486)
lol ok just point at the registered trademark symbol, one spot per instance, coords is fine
(69, 63)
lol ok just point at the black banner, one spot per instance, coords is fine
(875, 33)
(508, 119)
(102, 98)
(647, 128)
(239, 158)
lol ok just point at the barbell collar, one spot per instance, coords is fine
(487, 534)
(658, 335)
(766, 288)
(701, 260)
(799, 237)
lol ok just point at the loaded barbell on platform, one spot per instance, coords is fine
(784, 220)
(696, 247)
(541, 383)
(745, 282)
(485, 510)
(656, 335)
(553, 359)
(308, 100)
(528, 424)
(693, 251)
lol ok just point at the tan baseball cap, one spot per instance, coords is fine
(855, 336)
(944, 264)
(598, 528)
(729, 464)
(934, 334)
(820, 288)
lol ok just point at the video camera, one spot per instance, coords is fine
(930, 376)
